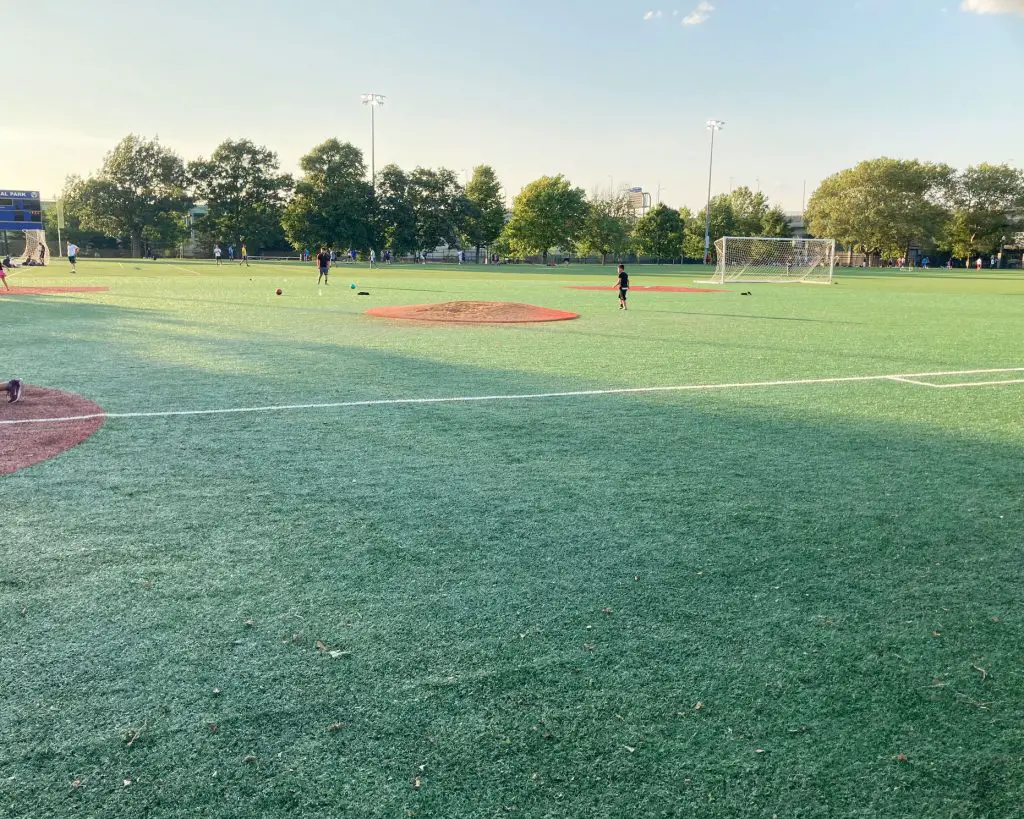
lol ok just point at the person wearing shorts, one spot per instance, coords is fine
(323, 261)
(72, 255)
(3, 277)
(623, 284)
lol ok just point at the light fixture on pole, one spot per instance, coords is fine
(374, 101)
(713, 125)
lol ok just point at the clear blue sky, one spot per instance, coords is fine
(588, 88)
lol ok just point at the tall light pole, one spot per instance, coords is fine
(374, 101)
(713, 125)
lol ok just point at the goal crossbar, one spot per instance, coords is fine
(771, 259)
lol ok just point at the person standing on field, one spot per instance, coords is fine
(373, 257)
(216, 253)
(623, 284)
(73, 255)
(245, 255)
(3, 277)
(323, 261)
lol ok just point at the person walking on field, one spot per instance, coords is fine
(323, 261)
(3, 277)
(623, 284)
(245, 256)
(72, 255)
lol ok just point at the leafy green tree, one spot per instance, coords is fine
(660, 233)
(739, 213)
(396, 215)
(983, 200)
(440, 205)
(606, 229)
(881, 205)
(485, 216)
(333, 202)
(547, 213)
(138, 195)
(244, 193)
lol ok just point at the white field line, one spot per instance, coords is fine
(906, 378)
(187, 270)
(466, 399)
(978, 384)
(913, 381)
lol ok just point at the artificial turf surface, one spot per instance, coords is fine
(786, 600)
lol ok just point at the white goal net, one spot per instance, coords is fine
(762, 259)
(35, 252)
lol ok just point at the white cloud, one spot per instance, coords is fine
(652, 15)
(993, 6)
(703, 12)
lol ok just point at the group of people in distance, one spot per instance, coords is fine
(242, 259)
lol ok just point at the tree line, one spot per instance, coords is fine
(143, 193)
(884, 207)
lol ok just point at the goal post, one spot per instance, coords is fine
(765, 259)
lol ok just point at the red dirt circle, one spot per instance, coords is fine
(27, 437)
(473, 312)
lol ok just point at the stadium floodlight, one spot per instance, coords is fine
(713, 125)
(374, 101)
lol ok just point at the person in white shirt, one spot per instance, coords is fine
(72, 255)
(216, 253)
(373, 257)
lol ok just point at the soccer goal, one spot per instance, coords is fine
(763, 259)
(35, 251)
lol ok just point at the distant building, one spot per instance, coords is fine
(797, 224)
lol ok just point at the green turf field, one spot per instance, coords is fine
(793, 599)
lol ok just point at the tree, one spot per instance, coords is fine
(547, 213)
(332, 205)
(396, 216)
(739, 213)
(138, 195)
(606, 228)
(881, 205)
(485, 216)
(440, 207)
(660, 233)
(983, 199)
(244, 193)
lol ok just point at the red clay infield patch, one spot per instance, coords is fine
(49, 291)
(658, 289)
(25, 444)
(473, 312)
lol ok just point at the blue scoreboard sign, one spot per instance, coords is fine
(20, 210)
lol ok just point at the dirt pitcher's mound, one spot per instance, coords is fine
(43, 424)
(473, 312)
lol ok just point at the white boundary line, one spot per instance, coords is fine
(467, 399)
(978, 384)
(912, 381)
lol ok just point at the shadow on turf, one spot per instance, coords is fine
(514, 586)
